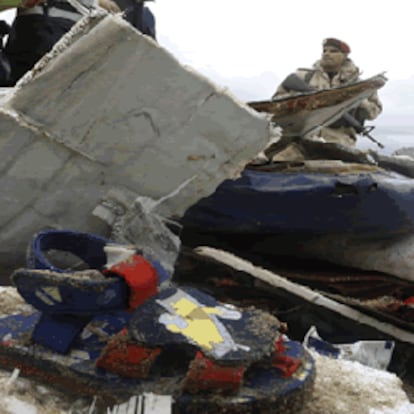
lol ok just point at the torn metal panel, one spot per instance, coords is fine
(133, 221)
(278, 210)
(394, 256)
(306, 113)
(401, 162)
(126, 116)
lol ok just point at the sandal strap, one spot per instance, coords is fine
(58, 332)
(81, 293)
(206, 375)
(124, 357)
(86, 246)
(282, 361)
(141, 277)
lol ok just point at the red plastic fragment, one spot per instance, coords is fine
(31, 3)
(224, 282)
(122, 356)
(141, 277)
(285, 363)
(206, 375)
(409, 301)
(9, 343)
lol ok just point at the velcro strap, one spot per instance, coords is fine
(140, 276)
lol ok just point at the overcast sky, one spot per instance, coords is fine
(250, 46)
(248, 37)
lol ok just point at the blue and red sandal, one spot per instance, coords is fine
(114, 331)
(89, 248)
(118, 278)
(210, 357)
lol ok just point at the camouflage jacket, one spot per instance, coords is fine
(317, 78)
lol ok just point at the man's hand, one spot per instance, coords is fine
(109, 6)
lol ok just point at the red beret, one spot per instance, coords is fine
(339, 44)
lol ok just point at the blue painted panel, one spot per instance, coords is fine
(372, 204)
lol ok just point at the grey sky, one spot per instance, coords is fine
(249, 47)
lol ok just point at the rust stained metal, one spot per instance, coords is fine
(303, 113)
(318, 99)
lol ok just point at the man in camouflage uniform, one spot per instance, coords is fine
(335, 68)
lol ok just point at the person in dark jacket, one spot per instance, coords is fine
(37, 27)
(34, 32)
(4, 61)
(140, 16)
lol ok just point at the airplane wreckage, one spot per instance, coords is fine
(107, 150)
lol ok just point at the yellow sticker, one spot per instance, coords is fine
(199, 325)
